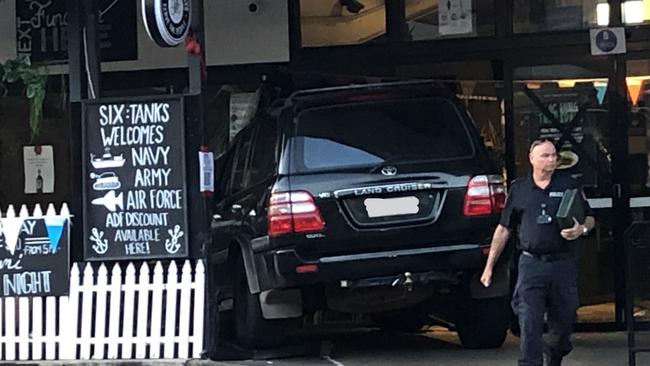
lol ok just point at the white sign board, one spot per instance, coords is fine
(39, 169)
(206, 168)
(455, 17)
(607, 41)
(167, 23)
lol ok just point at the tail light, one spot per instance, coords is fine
(486, 194)
(293, 212)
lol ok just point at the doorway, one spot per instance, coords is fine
(569, 103)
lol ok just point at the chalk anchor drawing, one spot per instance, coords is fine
(172, 246)
(101, 244)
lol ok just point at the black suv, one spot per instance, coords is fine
(376, 199)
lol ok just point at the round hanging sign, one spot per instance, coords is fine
(167, 21)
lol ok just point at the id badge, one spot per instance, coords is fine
(543, 218)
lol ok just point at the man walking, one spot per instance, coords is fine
(548, 271)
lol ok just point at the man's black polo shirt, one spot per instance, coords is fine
(524, 207)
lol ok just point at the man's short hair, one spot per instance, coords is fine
(538, 142)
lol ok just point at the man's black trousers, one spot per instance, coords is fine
(545, 285)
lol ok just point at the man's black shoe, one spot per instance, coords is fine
(553, 360)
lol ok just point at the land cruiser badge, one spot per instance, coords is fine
(167, 21)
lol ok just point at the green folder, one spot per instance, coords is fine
(571, 206)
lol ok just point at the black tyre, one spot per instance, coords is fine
(403, 320)
(483, 323)
(251, 329)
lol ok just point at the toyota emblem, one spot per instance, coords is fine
(389, 170)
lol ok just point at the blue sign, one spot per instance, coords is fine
(35, 255)
(606, 40)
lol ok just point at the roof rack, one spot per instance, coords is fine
(375, 86)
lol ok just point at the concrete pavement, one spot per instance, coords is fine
(433, 347)
(441, 347)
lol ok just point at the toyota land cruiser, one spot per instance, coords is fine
(376, 199)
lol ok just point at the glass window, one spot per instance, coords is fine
(568, 104)
(554, 15)
(343, 22)
(635, 11)
(638, 169)
(638, 87)
(449, 18)
(263, 159)
(369, 134)
(240, 161)
(632, 12)
(222, 169)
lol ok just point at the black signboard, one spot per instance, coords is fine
(564, 104)
(35, 256)
(134, 179)
(42, 29)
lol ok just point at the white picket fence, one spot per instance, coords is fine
(124, 316)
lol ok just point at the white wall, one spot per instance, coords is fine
(7, 30)
(236, 35)
(233, 36)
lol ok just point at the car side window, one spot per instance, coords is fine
(222, 169)
(240, 161)
(263, 153)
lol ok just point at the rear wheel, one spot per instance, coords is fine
(483, 323)
(251, 329)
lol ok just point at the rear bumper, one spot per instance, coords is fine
(277, 268)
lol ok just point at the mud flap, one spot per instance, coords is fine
(281, 304)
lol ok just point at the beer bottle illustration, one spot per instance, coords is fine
(39, 182)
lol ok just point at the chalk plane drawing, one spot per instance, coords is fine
(111, 201)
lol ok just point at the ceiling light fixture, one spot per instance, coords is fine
(631, 12)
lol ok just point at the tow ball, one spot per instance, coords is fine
(406, 280)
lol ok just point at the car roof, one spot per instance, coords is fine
(367, 92)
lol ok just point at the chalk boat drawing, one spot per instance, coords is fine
(107, 160)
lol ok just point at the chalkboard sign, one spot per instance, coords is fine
(34, 256)
(134, 179)
(41, 30)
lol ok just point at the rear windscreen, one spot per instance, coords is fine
(356, 135)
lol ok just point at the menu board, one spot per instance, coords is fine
(41, 30)
(135, 202)
(34, 256)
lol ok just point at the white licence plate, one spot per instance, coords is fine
(379, 207)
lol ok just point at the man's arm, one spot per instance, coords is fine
(577, 230)
(499, 240)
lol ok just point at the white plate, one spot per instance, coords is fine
(567, 159)
(380, 207)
